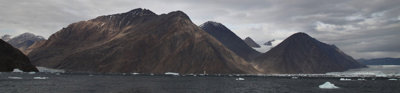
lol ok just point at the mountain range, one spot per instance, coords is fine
(138, 41)
(142, 41)
(23, 41)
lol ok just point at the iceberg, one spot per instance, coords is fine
(15, 77)
(17, 70)
(40, 77)
(240, 79)
(328, 85)
(171, 73)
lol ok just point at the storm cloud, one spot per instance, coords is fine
(362, 29)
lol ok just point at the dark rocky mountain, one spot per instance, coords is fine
(11, 58)
(24, 41)
(301, 53)
(269, 43)
(380, 61)
(229, 39)
(251, 42)
(6, 37)
(138, 41)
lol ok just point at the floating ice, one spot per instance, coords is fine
(239, 78)
(328, 85)
(295, 77)
(345, 79)
(17, 70)
(40, 77)
(135, 73)
(44, 69)
(31, 72)
(15, 77)
(171, 73)
(392, 79)
(360, 79)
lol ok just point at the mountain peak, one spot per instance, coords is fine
(301, 34)
(211, 23)
(179, 14)
(140, 12)
(251, 42)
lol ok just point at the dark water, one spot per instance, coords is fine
(120, 83)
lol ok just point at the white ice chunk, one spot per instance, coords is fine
(31, 72)
(40, 77)
(15, 77)
(345, 79)
(239, 78)
(171, 73)
(17, 70)
(360, 79)
(392, 79)
(134, 73)
(51, 70)
(328, 85)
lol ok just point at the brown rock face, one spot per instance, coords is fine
(301, 53)
(11, 58)
(138, 41)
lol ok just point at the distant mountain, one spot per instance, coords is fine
(301, 53)
(25, 40)
(229, 39)
(138, 41)
(6, 37)
(11, 58)
(380, 61)
(269, 43)
(251, 42)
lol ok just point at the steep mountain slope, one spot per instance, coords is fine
(251, 42)
(11, 58)
(25, 40)
(229, 39)
(138, 41)
(301, 53)
(380, 61)
(6, 37)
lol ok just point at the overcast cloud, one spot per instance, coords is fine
(361, 28)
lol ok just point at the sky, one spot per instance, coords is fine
(360, 28)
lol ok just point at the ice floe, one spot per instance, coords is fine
(40, 77)
(171, 73)
(239, 79)
(392, 79)
(17, 70)
(31, 72)
(345, 79)
(15, 77)
(44, 69)
(328, 85)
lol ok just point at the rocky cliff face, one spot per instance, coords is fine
(11, 58)
(251, 42)
(138, 41)
(301, 53)
(24, 41)
(229, 39)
